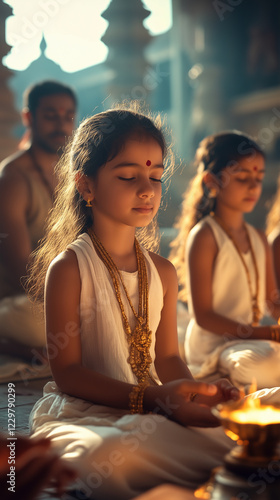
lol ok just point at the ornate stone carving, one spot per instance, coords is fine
(8, 116)
(126, 38)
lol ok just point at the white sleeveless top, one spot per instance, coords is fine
(230, 290)
(104, 343)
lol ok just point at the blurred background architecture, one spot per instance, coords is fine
(218, 67)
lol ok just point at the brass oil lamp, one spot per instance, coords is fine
(251, 471)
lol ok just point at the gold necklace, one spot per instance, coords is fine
(254, 297)
(140, 339)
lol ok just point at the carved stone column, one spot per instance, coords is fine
(8, 116)
(126, 39)
(208, 75)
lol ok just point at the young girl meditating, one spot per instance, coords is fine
(120, 388)
(225, 266)
(273, 232)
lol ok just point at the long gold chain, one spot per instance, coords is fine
(140, 339)
(254, 297)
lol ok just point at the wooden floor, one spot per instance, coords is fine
(26, 394)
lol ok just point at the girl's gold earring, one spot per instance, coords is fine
(212, 200)
(212, 192)
(89, 203)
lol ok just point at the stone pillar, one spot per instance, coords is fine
(179, 88)
(8, 116)
(208, 73)
(126, 39)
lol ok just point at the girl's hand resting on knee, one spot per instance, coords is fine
(189, 402)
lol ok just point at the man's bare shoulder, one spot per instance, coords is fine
(14, 163)
(13, 180)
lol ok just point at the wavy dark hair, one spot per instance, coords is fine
(97, 140)
(215, 154)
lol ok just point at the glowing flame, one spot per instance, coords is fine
(251, 411)
(262, 415)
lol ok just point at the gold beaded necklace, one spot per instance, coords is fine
(254, 296)
(140, 339)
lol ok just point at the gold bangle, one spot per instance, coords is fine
(136, 397)
(275, 334)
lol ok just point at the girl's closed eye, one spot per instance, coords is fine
(154, 179)
(241, 179)
(126, 178)
(258, 180)
(247, 179)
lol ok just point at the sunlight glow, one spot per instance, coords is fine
(72, 30)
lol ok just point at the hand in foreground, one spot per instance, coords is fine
(37, 467)
(166, 492)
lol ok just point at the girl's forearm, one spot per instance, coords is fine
(84, 383)
(172, 368)
(232, 330)
(79, 381)
(227, 328)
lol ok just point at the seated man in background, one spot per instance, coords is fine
(27, 184)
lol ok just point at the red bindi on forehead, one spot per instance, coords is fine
(148, 163)
(255, 168)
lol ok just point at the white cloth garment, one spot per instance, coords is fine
(20, 321)
(243, 360)
(101, 322)
(120, 455)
